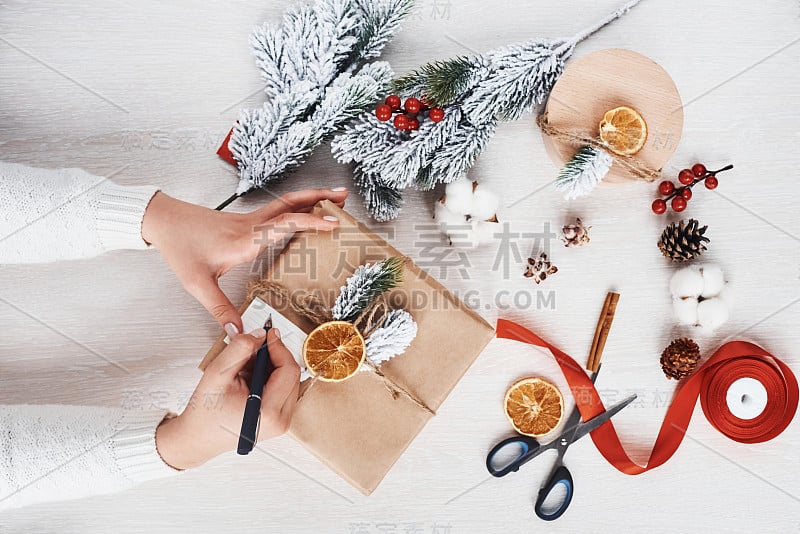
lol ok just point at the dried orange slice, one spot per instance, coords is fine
(623, 130)
(534, 406)
(334, 351)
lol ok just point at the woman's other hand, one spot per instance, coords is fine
(201, 244)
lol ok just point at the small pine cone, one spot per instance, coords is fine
(681, 242)
(680, 358)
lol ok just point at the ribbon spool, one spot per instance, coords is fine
(748, 399)
(738, 375)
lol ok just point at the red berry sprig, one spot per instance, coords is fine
(408, 120)
(680, 196)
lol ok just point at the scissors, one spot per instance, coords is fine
(530, 449)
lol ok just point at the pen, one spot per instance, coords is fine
(252, 409)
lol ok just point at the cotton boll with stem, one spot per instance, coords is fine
(467, 213)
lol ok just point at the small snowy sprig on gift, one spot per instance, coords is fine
(699, 297)
(314, 65)
(393, 337)
(467, 213)
(392, 331)
(366, 284)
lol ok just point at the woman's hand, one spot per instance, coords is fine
(201, 244)
(211, 422)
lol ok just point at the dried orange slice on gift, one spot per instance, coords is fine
(334, 351)
(534, 406)
(623, 130)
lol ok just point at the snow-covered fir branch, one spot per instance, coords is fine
(316, 80)
(476, 93)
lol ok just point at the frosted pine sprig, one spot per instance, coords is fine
(583, 172)
(366, 284)
(381, 20)
(395, 335)
(316, 80)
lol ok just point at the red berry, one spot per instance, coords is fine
(666, 187)
(413, 123)
(686, 193)
(659, 206)
(686, 176)
(413, 105)
(393, 101)
(383, 112)
(679, 203)
(436, 114)
(401, 122)
(712, 182)
(698, 169)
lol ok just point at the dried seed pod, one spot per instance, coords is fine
(539, 268)
(575, 235)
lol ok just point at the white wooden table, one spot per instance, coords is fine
(146, 90)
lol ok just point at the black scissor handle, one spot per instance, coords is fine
(528, 448)
(559, 476)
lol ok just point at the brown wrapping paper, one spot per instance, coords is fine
(357, 427)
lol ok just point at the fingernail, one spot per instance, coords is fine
(258, 332)
(231, 329)
(277, 333)
(339, 189)
(330, 218)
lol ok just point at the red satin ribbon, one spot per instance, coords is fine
(710, 383)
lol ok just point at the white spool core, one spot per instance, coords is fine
(746, 398)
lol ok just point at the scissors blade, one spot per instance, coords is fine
(573, 424)
(596, 421)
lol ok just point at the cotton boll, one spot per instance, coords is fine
(713, 280)
(686, 282)
(458, 196)
(712, 313)
(685, 310)
(484, 204)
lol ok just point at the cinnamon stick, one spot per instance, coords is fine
(600, 321)
(601, 343)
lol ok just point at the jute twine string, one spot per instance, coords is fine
(635, 166)
(369, 320)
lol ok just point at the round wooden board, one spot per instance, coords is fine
(603, 80)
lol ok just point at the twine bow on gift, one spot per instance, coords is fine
(633, 165)
(370, 319)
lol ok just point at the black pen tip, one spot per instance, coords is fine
(268, 322)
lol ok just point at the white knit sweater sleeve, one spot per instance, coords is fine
(54, 452)
(65, 452)
(62, 214)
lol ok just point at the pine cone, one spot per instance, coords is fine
(680, 358)
(683, 243)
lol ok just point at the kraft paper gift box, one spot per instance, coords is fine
(358, 427)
